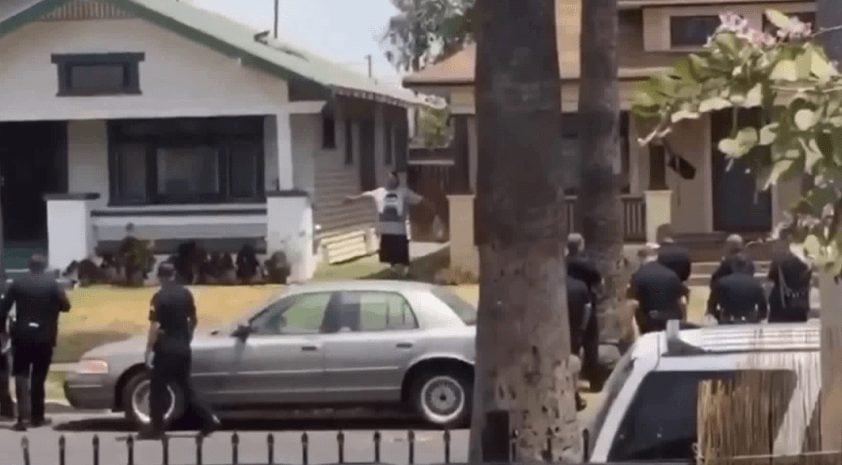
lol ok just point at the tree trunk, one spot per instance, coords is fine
(829, 15)
(523, 338)
(599, 123)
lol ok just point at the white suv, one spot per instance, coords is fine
(648, 409)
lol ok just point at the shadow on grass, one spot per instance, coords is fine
(71, 346)
(422, 268)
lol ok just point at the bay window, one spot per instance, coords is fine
(187, 160)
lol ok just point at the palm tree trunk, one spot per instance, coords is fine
(599, 122)
(828, 16)
(523, 340)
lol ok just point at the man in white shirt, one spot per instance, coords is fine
(393, 202)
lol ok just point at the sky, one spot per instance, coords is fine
(344, 31)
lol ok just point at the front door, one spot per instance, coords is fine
(368, 165)
(737, 204)
(282, 359)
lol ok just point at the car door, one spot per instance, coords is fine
(366, 358)
(281, 360)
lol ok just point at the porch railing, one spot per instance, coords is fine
(634, 217)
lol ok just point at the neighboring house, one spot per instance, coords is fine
(187, 126)
(686, 184)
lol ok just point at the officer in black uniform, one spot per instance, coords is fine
(659, 292)
(583, 269)
(672, 255)
(579, 314)
(738, 297)
(7, 406)
(38, 299)
(172, 317)
(734, 251)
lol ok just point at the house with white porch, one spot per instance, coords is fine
(184, 125)
(684, 183)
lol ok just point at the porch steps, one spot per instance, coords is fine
(343, 247)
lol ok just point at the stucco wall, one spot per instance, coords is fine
(178, 77)
(87, 158)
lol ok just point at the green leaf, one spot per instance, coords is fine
(730, 147)
(754, 97)
(805, 119)
(803, 65)
(681, 115)
(812, 154)
(812, 245)
(728, 41)
(778, 19)
(784, 70)
(742, 144)
(714, 104)
(768, 134)
(820, 66)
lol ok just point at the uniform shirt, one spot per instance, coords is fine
(393, 208)
(578, 299)
(738, 296)
(676, 258)
(582, 268)
(658, 288)
(38, 300)
(174, 310)
(726, 267)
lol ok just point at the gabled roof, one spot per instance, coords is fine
(237, 41)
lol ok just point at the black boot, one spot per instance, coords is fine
(24, 405)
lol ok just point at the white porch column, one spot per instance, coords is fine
(278, 145)
(289, 229)
(464, 254)
(658, 212)
(70, 233)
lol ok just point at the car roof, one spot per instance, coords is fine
(359, 285)
(776, 337)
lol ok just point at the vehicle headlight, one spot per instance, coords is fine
(92, 367)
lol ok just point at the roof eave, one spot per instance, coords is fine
(626, 74)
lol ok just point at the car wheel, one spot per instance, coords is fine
(136, 401)
(443, 398)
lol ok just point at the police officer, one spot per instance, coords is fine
(581, 268)
(734, 250)
(738, 297)
(38, 299)
(172, 318)
(659, 292)
(579, 314)
(672, 255)
(7, 406)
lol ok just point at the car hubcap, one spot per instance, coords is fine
(443, 399)
(140, 402)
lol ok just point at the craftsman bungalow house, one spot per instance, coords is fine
(688, 186)
(186, 126)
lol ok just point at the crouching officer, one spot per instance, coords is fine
(172, 319)
(579, 314)
(660, 294)
(738, 297)
(38, 299)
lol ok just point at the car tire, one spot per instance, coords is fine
(135, 397)
(443, 397)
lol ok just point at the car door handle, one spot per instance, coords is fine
(309, 348)
(404, 345)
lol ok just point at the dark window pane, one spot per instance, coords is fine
(661, 422)
(188, 172)
(243, 172)
(389, 144)
(131, 172)
(328, 132)
(375, 311)
(98, 79)
(692, 31)
(349, 142)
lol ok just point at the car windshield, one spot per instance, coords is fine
(465, 311)
(612, 389)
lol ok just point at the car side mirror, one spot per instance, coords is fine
(242, 332)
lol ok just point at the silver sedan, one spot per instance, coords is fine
(335, 345)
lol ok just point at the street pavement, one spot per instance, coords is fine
(80, 429)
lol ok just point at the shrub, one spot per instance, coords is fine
(248, 267)
(455, 277)
(189, 262)
(277, 268)
(134, 259)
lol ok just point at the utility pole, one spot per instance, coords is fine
(370, 73)
(276, 19)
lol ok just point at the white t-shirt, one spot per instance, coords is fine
(393, 208)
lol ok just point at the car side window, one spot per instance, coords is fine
(301, 314)
(376, 311)
(661, 422)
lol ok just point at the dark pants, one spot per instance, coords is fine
(7, 406)
(173, 369)
(30, 365)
